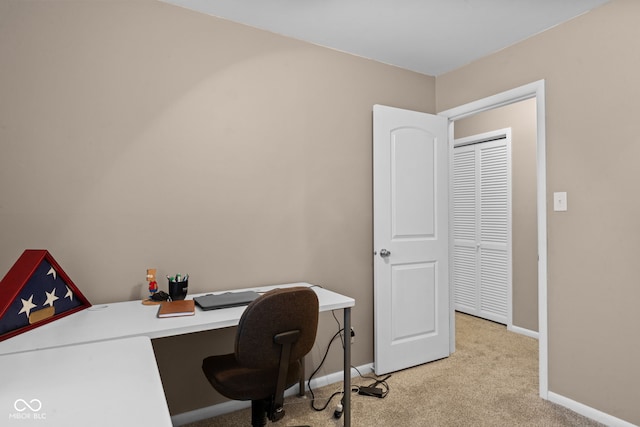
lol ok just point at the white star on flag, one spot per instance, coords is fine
(51, 297)
(53, 272)
(27, 306)
(69, 294)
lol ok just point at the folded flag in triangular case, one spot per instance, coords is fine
(34, 292)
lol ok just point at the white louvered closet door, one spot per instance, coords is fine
(482, 229)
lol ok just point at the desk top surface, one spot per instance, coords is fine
(132, 318)
(100, 384)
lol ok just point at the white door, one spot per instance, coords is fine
(410, 220)
(482, 226)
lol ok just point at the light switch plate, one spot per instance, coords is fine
(560, 201)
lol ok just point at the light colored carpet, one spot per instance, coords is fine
(491, 380)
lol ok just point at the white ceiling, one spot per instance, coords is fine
(427, 36)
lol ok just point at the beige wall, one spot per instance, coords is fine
(138, 134)
(591, 67)
(521, 118)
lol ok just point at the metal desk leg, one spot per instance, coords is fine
(302, 374)
(347, 367)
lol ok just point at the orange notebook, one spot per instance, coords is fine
(177, 308)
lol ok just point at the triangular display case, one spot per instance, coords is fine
(34, 292)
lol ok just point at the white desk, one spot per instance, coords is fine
(132, 319)
(110, 383)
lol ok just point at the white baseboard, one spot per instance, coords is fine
(588, 412)
(235, 405)
(523, 331)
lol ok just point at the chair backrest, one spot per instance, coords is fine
(277, 311)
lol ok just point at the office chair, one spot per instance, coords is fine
(275, 332)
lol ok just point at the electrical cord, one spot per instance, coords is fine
(313, 398)
(370, 390)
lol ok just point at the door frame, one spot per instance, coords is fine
(532, 90)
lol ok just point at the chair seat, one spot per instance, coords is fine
(240, 383)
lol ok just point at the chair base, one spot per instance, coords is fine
(259, 413)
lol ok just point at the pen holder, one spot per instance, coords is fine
(178, 290)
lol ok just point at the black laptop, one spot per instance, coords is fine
(226, 300)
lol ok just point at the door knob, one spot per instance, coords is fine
(384, 253)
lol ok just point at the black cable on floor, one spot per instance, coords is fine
(376, 382)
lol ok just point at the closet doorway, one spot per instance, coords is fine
(481, 226)
(517, 121)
